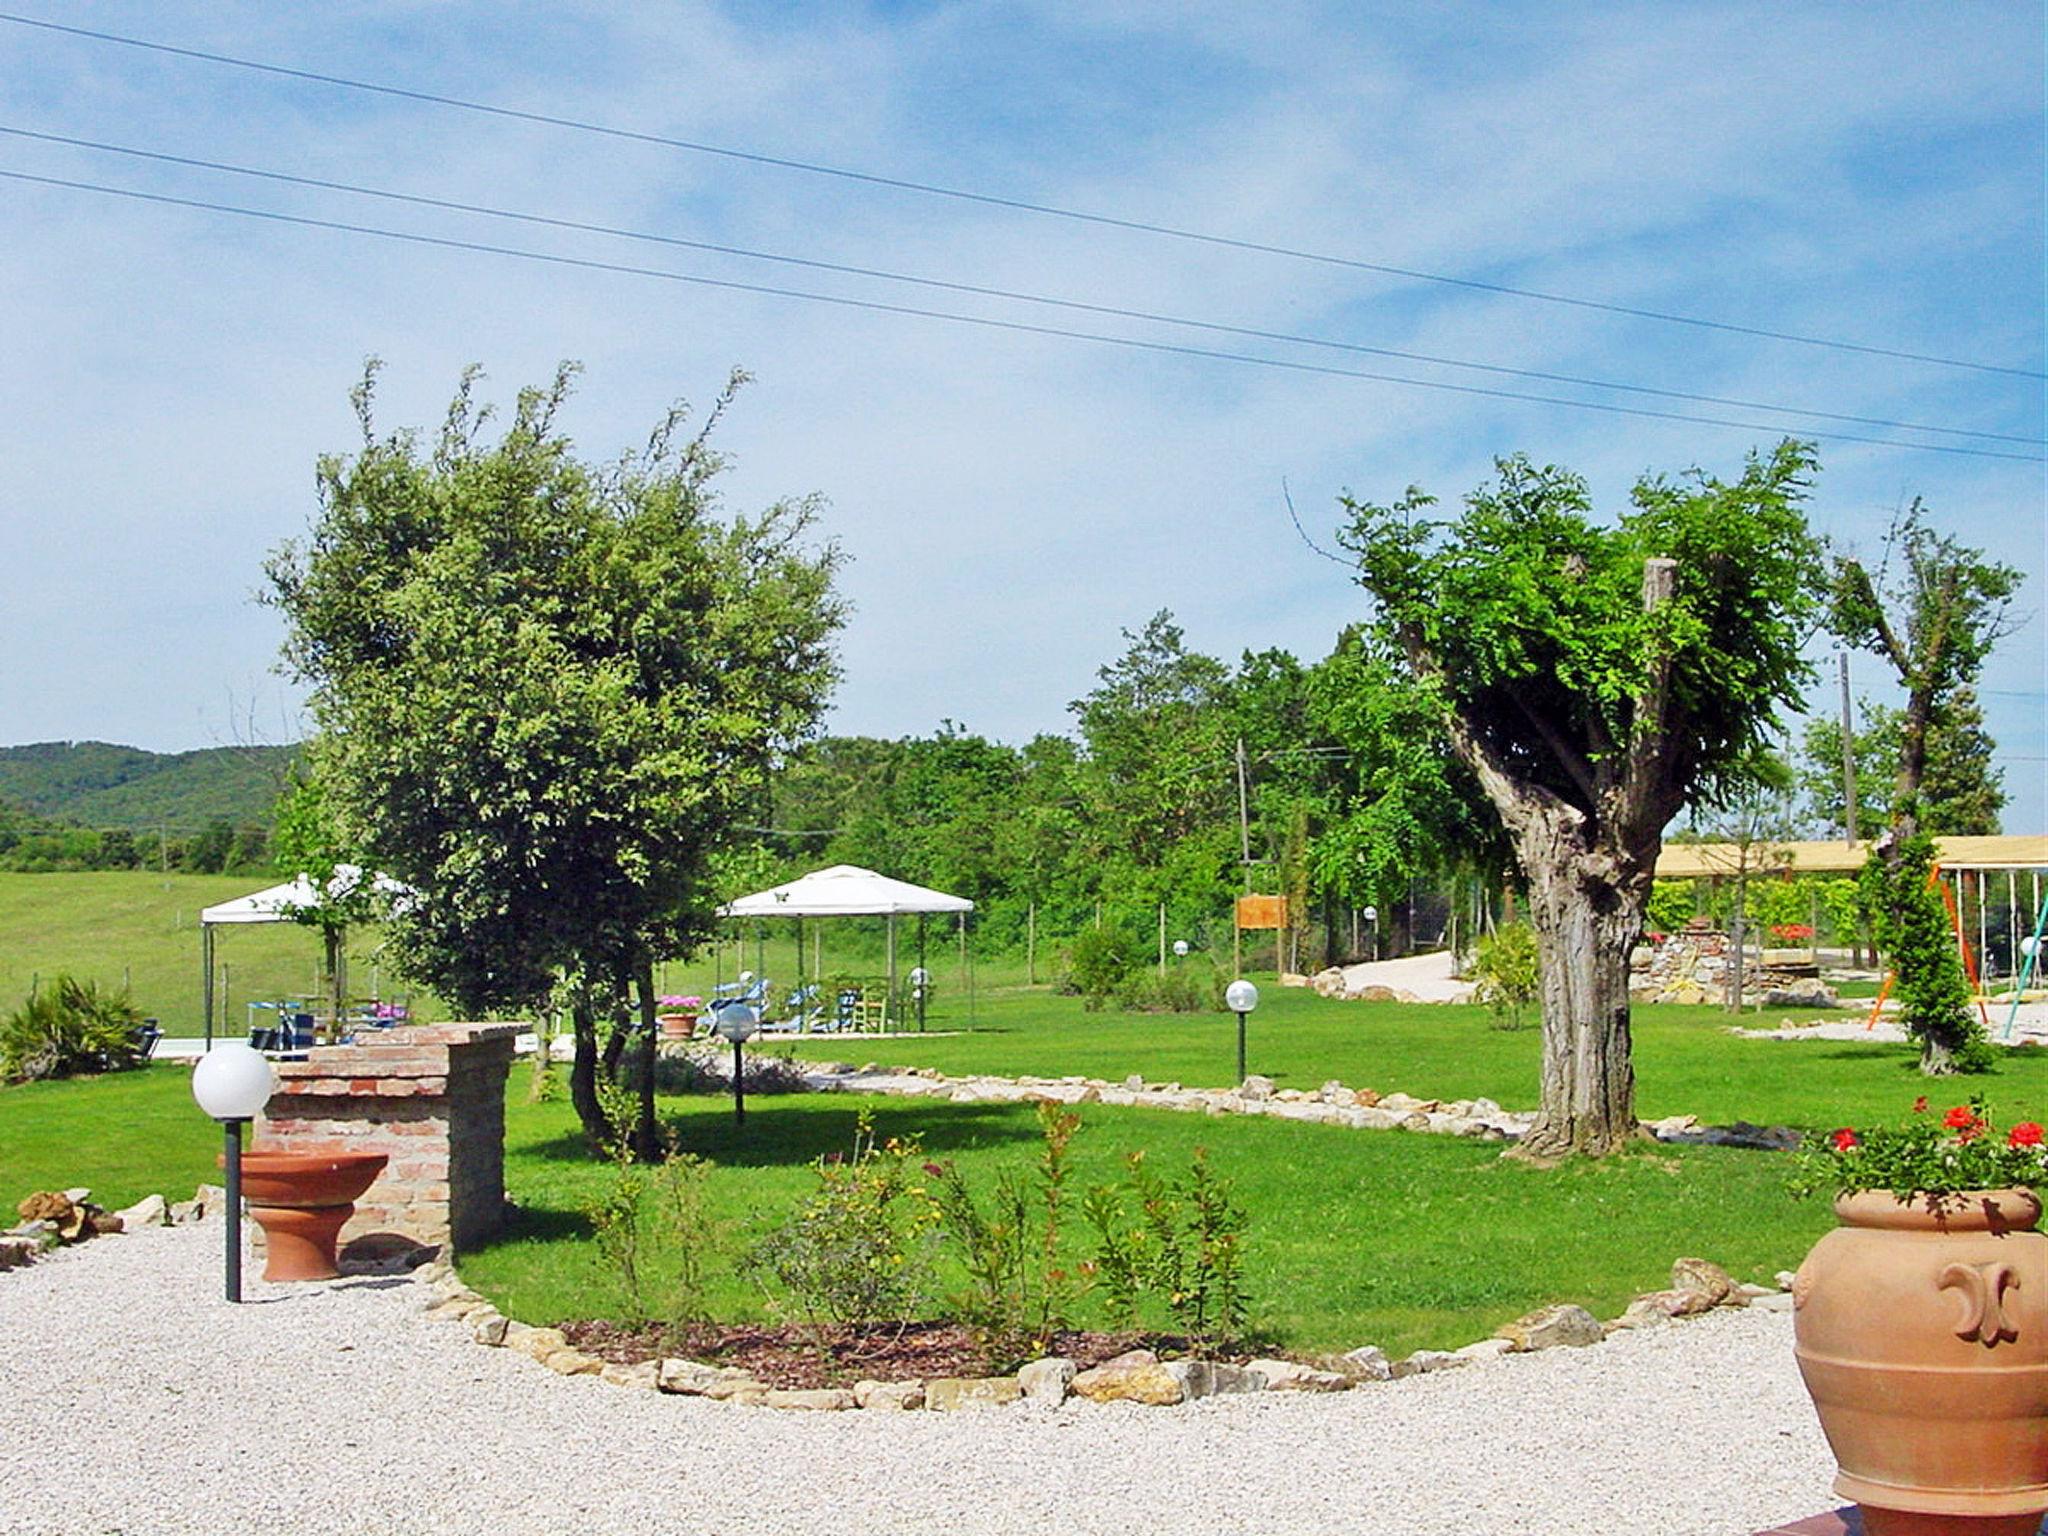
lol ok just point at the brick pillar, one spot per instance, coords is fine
(432, 1098)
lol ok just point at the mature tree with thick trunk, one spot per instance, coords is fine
(548, 691)
(1933, 611)
(1596, 680)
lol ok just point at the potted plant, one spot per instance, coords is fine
(1921, 1322)
(678, 1016)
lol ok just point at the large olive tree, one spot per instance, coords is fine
(1596, 678)
(548, 690)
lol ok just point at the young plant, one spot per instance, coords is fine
(615, 1212)
(1183, 1243)
(1509, 972)
(1020, 1293)
(858, 1250)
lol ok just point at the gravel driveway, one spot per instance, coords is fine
(134, 1400)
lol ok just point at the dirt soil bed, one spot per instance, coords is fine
(796, 1356)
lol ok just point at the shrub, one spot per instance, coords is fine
(1097, 962)
(1180, 990)
(1509, 972)
(1184, 1243)
(67, 1028)
(631, 1236)
(1019, 1292)
(858, 1249)
(1913, 927)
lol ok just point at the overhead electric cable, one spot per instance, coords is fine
(876, 306)
(995, 200)
(885, 275)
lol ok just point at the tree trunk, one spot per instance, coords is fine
(647, 1132)
(1587, 920)
(583, 1070)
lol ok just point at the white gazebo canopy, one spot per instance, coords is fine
(277, 903)
(847, 890)
(844, 890)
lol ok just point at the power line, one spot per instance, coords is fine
(1115, 311)
(986, 322)
(1015, 204)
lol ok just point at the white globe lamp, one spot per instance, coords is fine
(232, 1084)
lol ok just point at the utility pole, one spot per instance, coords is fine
(1849, 816)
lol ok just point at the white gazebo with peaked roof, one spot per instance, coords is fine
(281, 904)
(847, 890)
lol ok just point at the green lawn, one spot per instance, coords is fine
(1686, 1062)
(142, 929)
(124, 1135)
(1401, 1240)
(1407, 1241)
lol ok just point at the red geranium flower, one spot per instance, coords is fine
(1961, 1118)
(1844, 1139)
(2026, 1134)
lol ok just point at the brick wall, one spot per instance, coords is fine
(432, 1099)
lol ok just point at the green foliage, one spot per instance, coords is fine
(1509, 971)
(67, 1027)
(1181, 1240)
(1962, 788)
(1098, 962)
(548, 691)
(859, 1248)
(1020, 1289)
(653, 1225)
(1914, 930)
(1928, 1155)
(1670, 906)
(1184, 988)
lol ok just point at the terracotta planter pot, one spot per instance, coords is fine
(1923, 1339)
(302, 1200)
(678, 1026)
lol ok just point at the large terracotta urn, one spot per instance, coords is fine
(1922, 1333)
(302, 1200)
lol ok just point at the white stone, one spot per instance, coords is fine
(1047, 1381)
(149, 1211)
(1366, 1363)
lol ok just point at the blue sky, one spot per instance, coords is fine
(1871, 173)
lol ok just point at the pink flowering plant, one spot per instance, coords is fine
(675, 1003)
(1933, 1155)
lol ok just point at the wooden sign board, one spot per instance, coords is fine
(1262, 911)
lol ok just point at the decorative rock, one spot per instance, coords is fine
(1334, 1092)
(1293, 1376)
(1776, 1301)
(1366, 1098)
(692, 1379)
(1047, 1381)
(149, 1211)
(1213, 1378)
(1373, 993)
(1484, 1349)
(211, 1200)
(1136, 1377)
(185, 1212)
(1548, 1327)
(79, 1195)
(1135, 1083)
(1366, 1363)
(488, 1328)
(1425, 1361)
(1674, 1303)
(534, 1343)
(17, 1251)
(949, 1394)
(1256, 1088)
(646, 1375)
(1709, 1280)
(568, 1361)
(884, 1396)
(813, 1400)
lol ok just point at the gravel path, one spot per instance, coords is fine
(134, 1400)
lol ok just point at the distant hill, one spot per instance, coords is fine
(98, 784)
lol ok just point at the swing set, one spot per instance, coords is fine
(2027, 953)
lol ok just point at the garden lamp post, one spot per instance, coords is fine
(739, 1023)
(1180, 949)
(1372, 921)
(232, 1083)
(920, 982)
(1240, 997)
